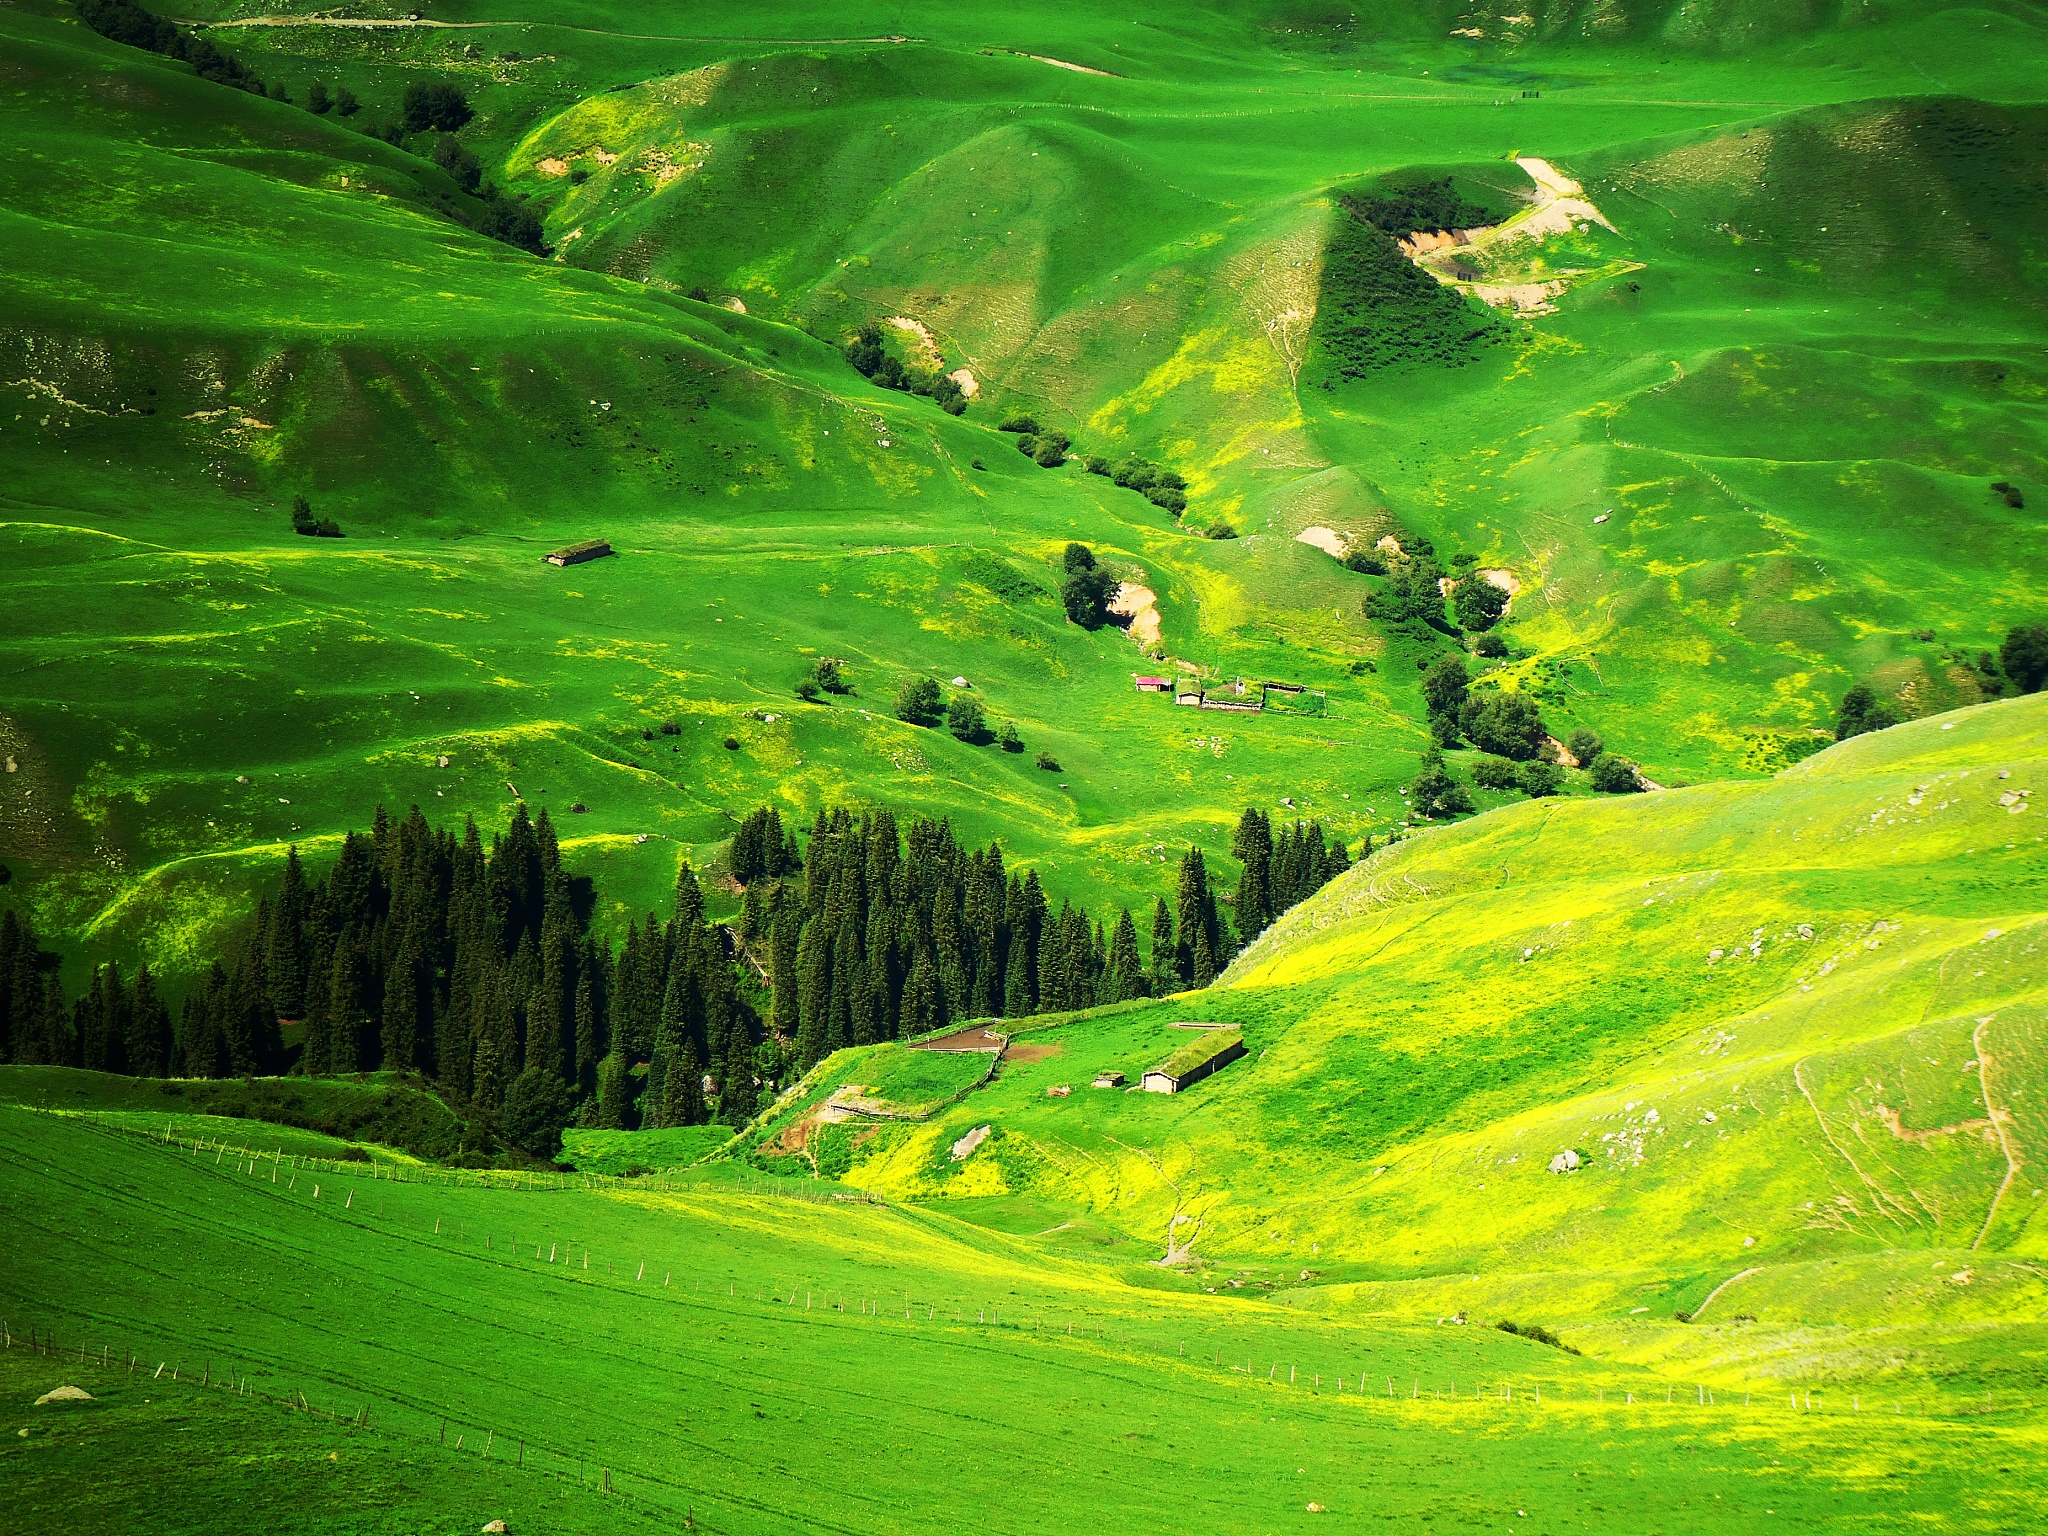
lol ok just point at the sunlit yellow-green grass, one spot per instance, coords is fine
(1790, 1031)
(1790, 415)
(744, 1362)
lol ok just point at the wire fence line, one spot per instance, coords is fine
(1168, 1339)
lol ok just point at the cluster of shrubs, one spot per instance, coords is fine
(1539, 1334)
(1434, 795)
(920, 702)
(1045, 446)
(123, 21)
(1413, 598)
(1166, 489)
(872, 362)
(342, 103)
(1377, 309)
(429, 106)
(304, 522)
(826, 676)
(2020, 666)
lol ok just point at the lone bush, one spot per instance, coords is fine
(1018, 421)
(2024, 656)
(456, 158)
(965, 718)
(1863, 711)
(1008, 739)
(434, 104)
(1540, 780)
(1505, 723)
(1478, 603)
(537, 1106)
(304, 522)
(1584, 745)
(1434, 794)
(1613, 775)
(1085, 594)
(1048, 762)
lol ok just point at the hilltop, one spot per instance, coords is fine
(1788, 1028)
(1702, 473)
(1788, 1031)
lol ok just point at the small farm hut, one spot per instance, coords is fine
(1209, 1052)
(576, 554)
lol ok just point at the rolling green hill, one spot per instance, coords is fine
(1790, 1031)
(1786, 376)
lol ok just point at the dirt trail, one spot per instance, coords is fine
(1999, 1119)
(371, 23)
(1079, 69)
(1482, 261)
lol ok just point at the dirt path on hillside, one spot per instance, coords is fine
(1999, 1119)
(375, 24)
(1557, 206)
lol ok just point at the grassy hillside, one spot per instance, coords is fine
(1789, 1029)
(722, 1353)
(1136, 254)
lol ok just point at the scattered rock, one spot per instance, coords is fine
(1566, 1161)
(1602, 517)
(441, 761)
(1059, 1090)
(1316, 1509)
(495, 1528)
(12, 766)
(241, 778)
(65, 1395)
(959, 682)
(964, 1147)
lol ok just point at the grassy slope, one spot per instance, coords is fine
(1766, 1015)
(1143, 250)
(729, 1386)
(743, 471)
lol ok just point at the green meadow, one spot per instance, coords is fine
(782, 1365)
(1785, 376)
(1725, 1096)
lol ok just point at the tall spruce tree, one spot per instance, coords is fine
(1252, 847)
(149, 1029)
